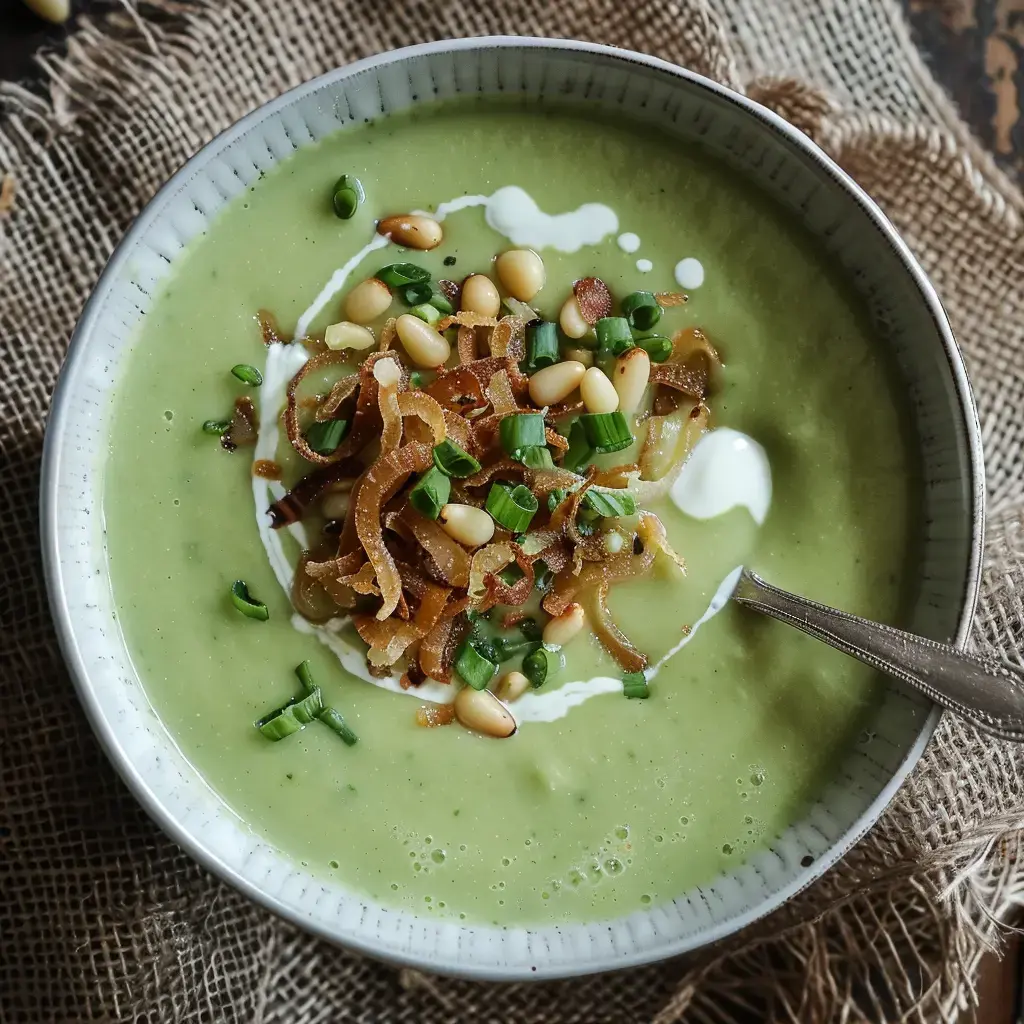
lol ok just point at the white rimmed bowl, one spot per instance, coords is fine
(778, 159)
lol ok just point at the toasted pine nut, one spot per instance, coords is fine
(570, 319)
(335, 505)
(423, 344)
(561, 629)
(580, 355)
(387, 372)
(348, 335)
(412, 230)
(553, 383)
(467, 524)
(57, 11)
(597, 391)
(482, 712)
(367, 301)
(479, 295)
(511, 686)
(631, 376)
(521, 272)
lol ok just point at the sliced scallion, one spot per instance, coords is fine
(613, 333)
(634, 685)
(453, 460)
(346, 196)
(397, 275)
(541, 345)
(426, 312)
(417, 292)
(415, 380)
(610, 505)
(522, 430)
(333, 718)
(536, 457)
(605, 431)
(511, 507)
(539, 665)
(580, 449)
(656, 346)
(300, 711)
(641, 309)
(305, 675)
(473, 666)
(217, 427)
(430, 493)
(555, 498)
(325, 437)
(248, 374)
(440, 301)
(246, 603)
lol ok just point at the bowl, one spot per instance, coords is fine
(778, 159)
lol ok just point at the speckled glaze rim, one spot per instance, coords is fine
(587, 962)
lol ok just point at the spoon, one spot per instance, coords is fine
(987, 692)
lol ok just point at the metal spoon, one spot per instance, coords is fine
(987, 692)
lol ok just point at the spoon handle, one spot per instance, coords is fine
(988, 692)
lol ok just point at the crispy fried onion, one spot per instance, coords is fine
(674, 438)
(416, 403)
(466, 344)
(450, 559)
(499, 394)
(342, 389)
(508, 338)
(691, 340)
(691, 378)
(292, 507)
(489, 560)
(388, 641)
(458, 390)
(387, 335)
(611, 638)
(512, 594)
(381, 482)
(466, 318)
(430, 716)
(315, 601)
(667, 299)
(244, 426)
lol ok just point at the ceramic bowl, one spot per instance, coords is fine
(776, 158)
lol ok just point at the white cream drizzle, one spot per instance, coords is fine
(513, 213)
(689, 273)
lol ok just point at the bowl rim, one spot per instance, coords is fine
(55, 437)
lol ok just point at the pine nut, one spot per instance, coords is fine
(423, 344)
(468, 525)
(412, 230)
(387, 372)
(482, 712)
(367, 301)
(57, 11)
(563, 628)
(631, 376)
(613, 542)
(480, 295)
(570, 319)
(597, 392)
(348, 335)
(550, 385)
(521, 272)
(334, 505)
(511, 686)
(580, 355)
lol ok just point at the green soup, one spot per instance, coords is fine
(620, 803)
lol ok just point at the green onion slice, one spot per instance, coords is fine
(536, 457)
(641, 309)
(634, 685)
(416, 380)
(555, 498)
(476, 669)
(610, 504)
(292, 716)
(659, 348)
(522, 430)
(246, 603)
(325, 437)
(337, 722)
(613, 333)
(218, 427)
(430, 493)
(440, 301)
(346, 196)
(539, 665)
(605, 431)
(397, 275)
(580, 450)
(425, 311)
(414, 294)
(454, 461)
(541, 345)
(305, 675)
(511, 507)
(248, 374)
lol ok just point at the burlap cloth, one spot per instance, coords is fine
(104, 919)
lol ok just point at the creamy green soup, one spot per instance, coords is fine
(618, 804)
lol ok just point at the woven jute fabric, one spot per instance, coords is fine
(104, 919)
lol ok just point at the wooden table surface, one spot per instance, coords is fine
(976, 50)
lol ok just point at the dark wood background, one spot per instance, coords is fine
(976, 50)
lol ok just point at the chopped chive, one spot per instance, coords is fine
(248, 374)
(658, 347)
(335, 720)
(291, 717)
(218, 427)
(397, 275)
(641, 309)
(536, 457)
(511, 507)
(325, 437)
(346, 196)
(511, 647)
(415, 380)
(538, 665)
(416, 293)
(425, 311)
(305, 675)
(544, 576)
(580, 450)
(555, 498)
(246, 603)
(634, 685)
(605, 431)
(610, 505)
(530, 629)
(541, 345)
(440, 301)
(613, 333)
(474, 667)
(449, 261)
(453, 460)
(522, 430)
(430, 493)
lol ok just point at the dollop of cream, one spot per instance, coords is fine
(628, 241)
(644, 266)
(514, 213)
(689, 273)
